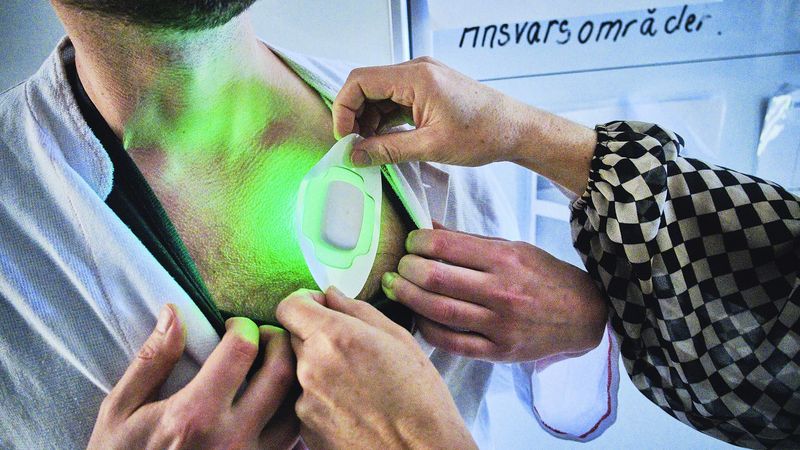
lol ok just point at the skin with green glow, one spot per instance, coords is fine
(227, 170)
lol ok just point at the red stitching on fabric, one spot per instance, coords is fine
(608, 399)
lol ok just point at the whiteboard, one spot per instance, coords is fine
(705, 69)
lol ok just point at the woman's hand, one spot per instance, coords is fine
(496, 300)
(458, 121)
(366, 382)
(204, 413)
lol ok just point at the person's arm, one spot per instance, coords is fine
(458, 121)
(701, 265)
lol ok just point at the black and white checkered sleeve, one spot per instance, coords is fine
(701, 267)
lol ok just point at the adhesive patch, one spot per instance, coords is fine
(344, 213)
(338, 219)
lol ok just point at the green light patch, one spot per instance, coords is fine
(319, 207)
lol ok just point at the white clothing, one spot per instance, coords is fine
(79, 293)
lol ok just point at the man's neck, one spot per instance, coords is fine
(138, 77)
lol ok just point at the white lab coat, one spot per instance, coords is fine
(79, 293)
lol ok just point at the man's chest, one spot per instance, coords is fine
(234, 210)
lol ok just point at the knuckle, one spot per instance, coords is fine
(426, 62)
(511, 298)
(430, 72)
(447, 312)
(519, 250)
(510, 257)
(108, 409)
(186, 423)
(306, 376)
(361, 308)
(242, 351)
(355, 75)
(339, 340)
(440, 242)
(404, 94)
(435, 278)
(148, 352)
(388, 153)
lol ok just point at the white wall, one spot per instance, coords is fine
(28, 32)
(357, 31)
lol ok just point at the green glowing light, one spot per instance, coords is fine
(233, 154)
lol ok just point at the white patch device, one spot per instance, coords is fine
(337, 220)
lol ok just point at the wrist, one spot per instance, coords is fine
(591, 312)
(556, 148)
(438, 432)
(434, 423)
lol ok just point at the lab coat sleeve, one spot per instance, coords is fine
(575, 398)
(700, 265)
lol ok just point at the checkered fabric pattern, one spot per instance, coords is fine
(701, 266)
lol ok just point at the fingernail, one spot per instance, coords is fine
(335, 291)
(387, 283)
(360, 158)
(164, 319)
(240, 326)
(409, 239)
(270, 330)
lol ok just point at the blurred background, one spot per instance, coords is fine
(714, 88)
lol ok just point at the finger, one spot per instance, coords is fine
(369, 121)
(388, 107)
(283, 431)
(439, 308)
(152, 366)
(359, 310)
(460, 249)
(224, 372)
(303, 313)
(369, 83)
(472, 345)
(396, 118)
(297, 346)
(452, 281)
(270, 385)
(394, 148)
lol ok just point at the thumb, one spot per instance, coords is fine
(394, 148)
(152, 366)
